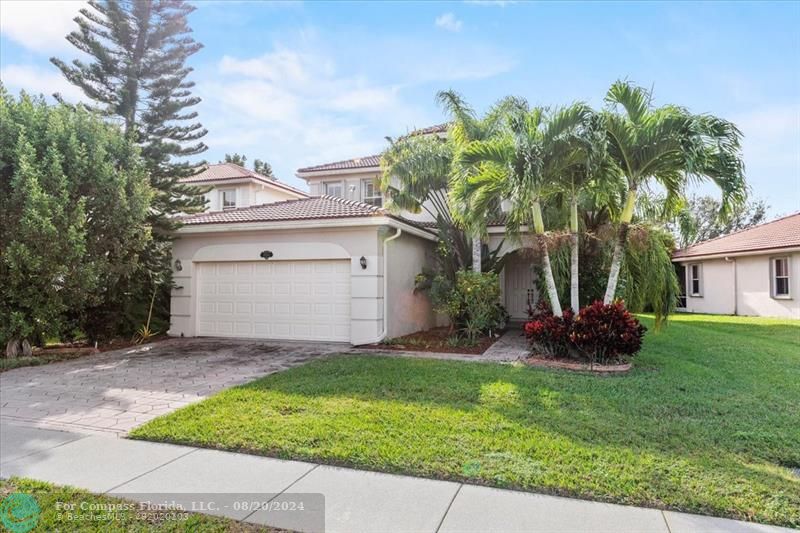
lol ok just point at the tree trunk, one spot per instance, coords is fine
(574, 285)
(552, 293)
(619, 247)
(476, 253)
(12, 348)
(616, 264)
(27, 351)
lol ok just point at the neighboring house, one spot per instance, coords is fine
(755, 271)
(332, 267)
(234, 186)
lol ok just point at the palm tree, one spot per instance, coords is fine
(671, 147)
(417, 168)
(522, 165)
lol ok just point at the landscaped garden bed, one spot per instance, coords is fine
(715, 430)
(439, 340)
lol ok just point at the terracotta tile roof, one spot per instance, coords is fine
(232, 171)
(777, 234)
(314, 208)
(368, 161)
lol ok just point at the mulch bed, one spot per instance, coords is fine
(433, 340)
(577, 366)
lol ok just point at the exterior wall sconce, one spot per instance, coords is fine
(363, 262)
(266, 254)
(178, 265)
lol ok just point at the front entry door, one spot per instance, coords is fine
(520, 288)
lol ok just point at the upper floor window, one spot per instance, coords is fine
(780, 277)
(371, 193)
(695, 279)
(228, 198)
(333, 188)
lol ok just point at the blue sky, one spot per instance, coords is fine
(299, 83)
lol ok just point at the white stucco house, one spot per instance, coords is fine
(328, 265)
(751, 272)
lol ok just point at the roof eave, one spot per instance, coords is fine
(305, 174)
(742, 253)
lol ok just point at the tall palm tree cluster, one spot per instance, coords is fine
(588, 175)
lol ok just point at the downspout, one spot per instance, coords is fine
(735, 286)
(382, 334)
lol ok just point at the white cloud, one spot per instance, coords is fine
(37, 80)
(40, 25)
(449, 22)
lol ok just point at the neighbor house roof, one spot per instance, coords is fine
(778, 234)
(231, 172)
(368, 161)
(314, 208)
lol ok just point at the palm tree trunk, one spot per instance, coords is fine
(574, 285)
(619, 246)
(550, 282)
(476, 253)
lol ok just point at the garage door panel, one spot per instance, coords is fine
(303, 300)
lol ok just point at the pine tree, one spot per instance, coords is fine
(137, 75)
(263, 168)
(236, 159)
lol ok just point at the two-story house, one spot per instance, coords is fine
(333, 266)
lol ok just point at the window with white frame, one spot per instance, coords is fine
(371, 192)
(780, 277)
(333, 188)
(228, 198)
(695, 279)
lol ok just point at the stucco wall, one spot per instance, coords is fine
(353, 243)
(351, 183)
(247, 194)
(408, 311)
(407, 255)
(742, 286)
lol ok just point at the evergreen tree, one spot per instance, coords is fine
(236, 159)
(74, 200)
(263, 168)
(137, 74)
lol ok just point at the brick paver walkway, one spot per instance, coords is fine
(117, 391)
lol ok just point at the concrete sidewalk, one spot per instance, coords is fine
(354, 500)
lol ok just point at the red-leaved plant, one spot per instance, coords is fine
(599, 333)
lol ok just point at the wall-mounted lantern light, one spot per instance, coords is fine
(266, 254)
(363, 262)
(178, 265)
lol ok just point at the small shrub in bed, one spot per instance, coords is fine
(599, 333)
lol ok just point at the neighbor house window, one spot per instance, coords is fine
(780, 277)
(695, 279)
(333, 188)
(228, 198)
(371, 193)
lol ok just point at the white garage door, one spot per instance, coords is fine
(295, 300)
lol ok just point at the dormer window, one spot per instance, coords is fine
(228, 198)
(371, 193)
(333, 188)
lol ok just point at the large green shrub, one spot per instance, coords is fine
(471, 302)
(74, 198)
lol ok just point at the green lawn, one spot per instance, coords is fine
(58, 514)
(708, 421)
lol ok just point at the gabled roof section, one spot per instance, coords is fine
(776, 235)
(232, 171)
(369, 161)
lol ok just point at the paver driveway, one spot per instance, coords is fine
(117, 391)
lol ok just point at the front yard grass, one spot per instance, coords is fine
(708, 421)
(69, 509)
